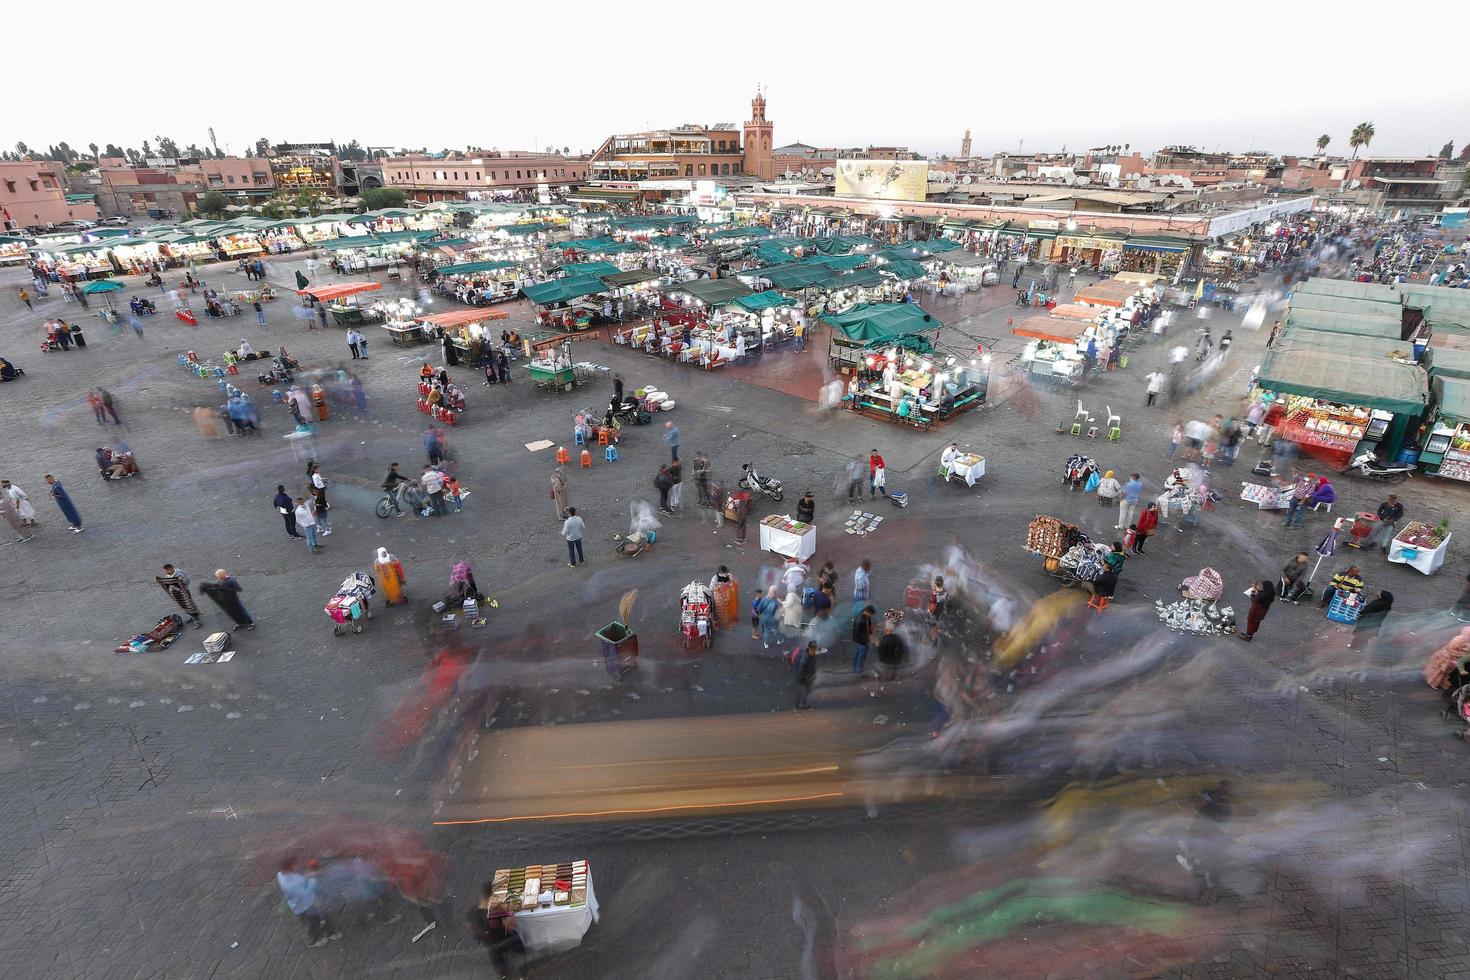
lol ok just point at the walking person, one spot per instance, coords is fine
(676, 491)
(20, 501)
(663, 483)
(306, 522)
(1155, 381)
(855, 473)
(494, 927)
(433, 449)
(769, 614)
(63, 501)
(877, 475)
(13, 518)
(299, 888)
(1390, 512)
(572, 530)
(25, 297)
(225, 592)
(1262, 594)
(701, 478)
(1370, 621)
(287, 509)
(559, 492)
(672, 438)
(862, 636)
(1128, 504)
(352, 339)
(176, 583)
(319, 493)
(862, 584)
(94, 400)
(109, 405)
(805, 668)
(432, 482)
(1108, 489)
(1147, 523)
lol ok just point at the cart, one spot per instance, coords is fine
(552, 379)
(1049, 538)
(349, 607)
(696, 619)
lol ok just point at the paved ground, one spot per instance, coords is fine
(145, 798)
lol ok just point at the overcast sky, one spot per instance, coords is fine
(1269, 76)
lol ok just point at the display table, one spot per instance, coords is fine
(543, 375)
(548, 928)
(1418, 556)
(403, 333)
(788, 537)
(969, 467)
(1266, 498)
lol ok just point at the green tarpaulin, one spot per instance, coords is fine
(869, 322)
(670, 242)
(771, 254)
(841, 244)
(765, 300)
(469, 268)
(630, 278)
(1343, 304)
(618, 248)
(564, 290)
(1359, 381)
(598, 269)
(904, 269)
(1449, 362)
(1347, 324)
(710, 292)
(449, 243)
(850, 280)
(583, 244)
(935, 246)
(1452, 395)
(745, 231)
(1347, 289)
(1157, 243)
(839, 263)
(1294, 337)
(797, 278)
(529, 228)
(101, 286)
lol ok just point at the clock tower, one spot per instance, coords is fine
(757, 162)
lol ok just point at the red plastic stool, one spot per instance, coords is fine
(1098, 602)
(586, 459)
(562, 456)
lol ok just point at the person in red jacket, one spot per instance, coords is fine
(1148, 521)
(875, 463)
(1271, 422)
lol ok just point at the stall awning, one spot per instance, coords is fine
(564, 290)
(710, 292)
(766, 300)
(748, 231)
(1365, 382)
(670, 242)
(529, 228)
(841, 244)
(904, 269)
(1106, 293)
(618, 248)
(963, 259)
(632, 277)
(355, 241)
(1157, 243)
(469, 268)
(794, 278)
(869, 322)
(583, 244)
(598, 269)
(838, 263)
(1386, 327)
(1074, 311)
(935, 246)
(1449, 362)
(1452, 395)
(851, 280)
(323, 294)
(771, 254)
(457, 318)
(1049, 328)
(1295, 337)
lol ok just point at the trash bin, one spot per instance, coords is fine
(619, 648)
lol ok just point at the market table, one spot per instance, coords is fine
(402, 334)
(1417, 556)
(552, 378)
(1267, 498)
(969, 466)
(549, 928)
(785, 536)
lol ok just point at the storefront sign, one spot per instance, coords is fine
(1044, 224)
(1082, 241)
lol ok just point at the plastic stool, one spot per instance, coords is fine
(602, 437)
(1076, 428)
(1320, 504)
(586, 460)
(1092, 432)
(610, 454)
(1114, 433)
(1098, 602)
(579, 436)
(562, 456)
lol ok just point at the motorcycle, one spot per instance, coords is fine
(142, 307)
(751, 480)
(1367, 464)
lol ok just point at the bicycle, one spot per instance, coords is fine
(396, 500)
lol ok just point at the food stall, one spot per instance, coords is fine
(337, 296)
(468, 331)
(766, 319)
(1049, 538)
(1446, 448)
(1421, 546)
(1108, 292)
(896, 372)
(85, 260)
(1051, 354)
(1338, 403)
(479, 283)
(14, 250)
(554, 904)
(558, 299)
(785, 536)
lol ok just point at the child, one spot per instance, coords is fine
(454, 494)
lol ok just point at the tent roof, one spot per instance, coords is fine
(1049, 328)
(841, 244)
(764, 300)
(598, 269)
(1347, 289)
(904, 269)
(1449, 362)
(963, 259)
(1074, 311)
(1106, 293)
(1360, 325)
(455, 318)
(770, 253)
(669, 241)
(710, 292)
(1343, 304)
(466, 268)
(584, 244)
(324, 293)
(1452, 395)
(868, 322)
(524, 228)
(744, 231)
(630, 278)
(1295, 337)
(850, 280)
(562, 290)
(794, 278)
(1352, 380)
(838, 263)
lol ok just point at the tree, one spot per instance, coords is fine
(377, 198)
(1447, 151)
(134, 157)
(22, 150)
(1363, 134)
(277, 207)
(262, 147)
(93, 148)
(212, 202)
(1322, 142)
(114, 151)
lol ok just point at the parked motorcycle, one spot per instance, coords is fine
(753, 481)
(1367, 464)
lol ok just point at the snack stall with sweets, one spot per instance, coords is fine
(785, 536)
(554, 904)
(1421, 546)
(1446, 447)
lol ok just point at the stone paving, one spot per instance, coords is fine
(141, 796)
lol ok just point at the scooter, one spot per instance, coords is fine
(751, 480)
(1367, 464)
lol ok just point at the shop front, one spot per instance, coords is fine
(1163, 255)
(1101, 250)
(1446, 447)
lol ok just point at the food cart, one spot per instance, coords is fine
(1421, 546)
(969, 467)
(466, 330)
(788, 537)
(1049, 538)
(336, 297)
(1446, 449)
(554, 904)
(1052, 354)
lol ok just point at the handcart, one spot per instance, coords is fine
(349, 607)
(696, 619)
(1050, 538)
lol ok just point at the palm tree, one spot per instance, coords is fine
(1322, 142)
(1362, 135)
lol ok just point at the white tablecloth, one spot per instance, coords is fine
(968, 471)
(559, 927)
(792, 545)
(1425, 561)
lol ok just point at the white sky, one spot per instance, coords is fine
(523, 75)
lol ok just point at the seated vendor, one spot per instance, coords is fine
(1348, 582)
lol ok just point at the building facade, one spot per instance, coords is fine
(233, 174)
(757, 157)
(156, 192)
(686, 151)
(33, 195)
(457, 176)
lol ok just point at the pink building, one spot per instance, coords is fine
(33, 194)
(231, 174)
(454, 177)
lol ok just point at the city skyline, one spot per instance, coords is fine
(1122, 85)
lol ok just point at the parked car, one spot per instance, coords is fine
(78, 224)
(117, 221)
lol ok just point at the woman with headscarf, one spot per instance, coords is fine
(1370, 621)
(770, 619)
(176, 584)
(725, 588)
(389, 571)
(1108, 489)
(791, 612)
(1262, 594)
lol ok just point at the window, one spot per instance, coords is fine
(231, 178)
(701, 170)
(724, 170)
(688, 170)
(34, 185)
(518, 175)
(477, 175)
(10, 186)
(737, 169)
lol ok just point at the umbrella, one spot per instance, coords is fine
(101, 286)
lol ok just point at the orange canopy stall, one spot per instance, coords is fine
(1106, 293)
(325, 294)
(1074, 311)
(458, 318)
(1047, 328)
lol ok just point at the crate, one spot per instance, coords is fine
(1345, 608)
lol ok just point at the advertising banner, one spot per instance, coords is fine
(883, 180)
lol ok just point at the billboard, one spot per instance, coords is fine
(883, 180)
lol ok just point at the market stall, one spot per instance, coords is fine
(969, 467)
(1049, 538)
(791, 538)
(478, 283)
(337, 297)
(1108, 292)
(554, 904)
(895, 368)
(1051, 353)
(559, 299)
(1337, 403)
(468, 331)
(1446, 449)
(1421, 546)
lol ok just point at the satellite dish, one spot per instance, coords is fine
(1112, 181)
(1132, 176)
(1142, 184)
(967, 179)
(1083, 181)
(1185, 182)
(1355, 185)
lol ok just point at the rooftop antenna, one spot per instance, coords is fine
(212, 141)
